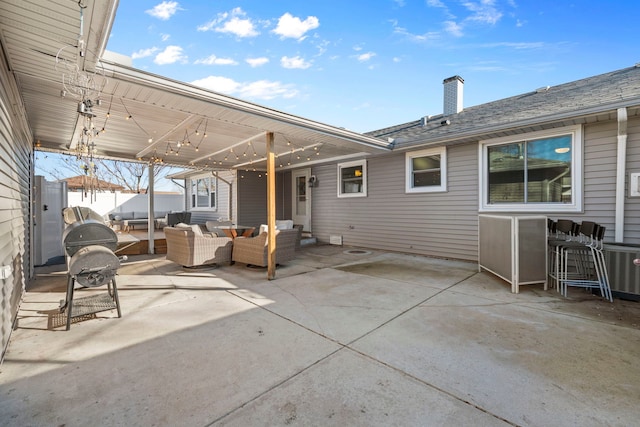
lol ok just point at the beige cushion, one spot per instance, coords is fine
(284, 224)
(197, 231)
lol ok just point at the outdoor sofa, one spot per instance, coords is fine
(253, 250)
(189, 246)
(128, 220)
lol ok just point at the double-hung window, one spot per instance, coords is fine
(203, 193)
(537, 172)
(426, 170)
(352, 179)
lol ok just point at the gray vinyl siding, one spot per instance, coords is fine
(15, 208)
(252, 197)
(600, 153)
(632, 204)
(599, 179)
(445, 224)
(436, 224)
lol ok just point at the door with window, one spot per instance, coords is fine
(301, 206)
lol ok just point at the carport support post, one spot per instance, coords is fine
(151, 203)
(271, 207)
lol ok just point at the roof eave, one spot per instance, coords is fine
(479, 134)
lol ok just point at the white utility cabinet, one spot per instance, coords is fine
(514, 248)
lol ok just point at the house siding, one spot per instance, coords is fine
(446, 224)
(16, 172)
(632, 204)
(252, 197)
(437, 224)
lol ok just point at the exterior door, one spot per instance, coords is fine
(301, 205)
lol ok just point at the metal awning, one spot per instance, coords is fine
(137, 115)
(78, 98)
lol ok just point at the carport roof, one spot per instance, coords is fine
(146, 116)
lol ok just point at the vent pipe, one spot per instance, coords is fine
(452, 95)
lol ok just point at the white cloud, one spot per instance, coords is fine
(170, 55)
(218, 84)
(515, 45)
(214, 60)
(257, 62)
(453, 28)
(292, 27)
(143, 53)
(265, 89)
(483, 11)
(164, 10)
(261, 89)
(435, 3)
(294, 62)
(396, 59)
(233, 22)
(164, 37)
(364, 57)
(418, 38)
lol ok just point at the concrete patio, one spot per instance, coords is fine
(357, 338)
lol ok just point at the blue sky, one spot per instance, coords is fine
(365, 65)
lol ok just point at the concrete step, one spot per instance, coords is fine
(305, 241)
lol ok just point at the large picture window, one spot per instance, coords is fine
(426, 171)
(352, 179)
(203, 193)
(540, 172)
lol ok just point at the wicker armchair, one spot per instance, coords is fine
(253, 250)
(186, 248)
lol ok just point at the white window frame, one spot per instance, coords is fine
(576, 173)
(363, 164)
(409, 156)
(213, 193)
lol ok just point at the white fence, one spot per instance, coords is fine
(107, 202)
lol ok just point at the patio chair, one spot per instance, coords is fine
(253, 250)
(190, 247)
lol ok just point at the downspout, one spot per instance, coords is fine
(621, 174)
(229, 207)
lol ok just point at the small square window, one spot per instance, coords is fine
(426, 171)
(352, 179)
(203, 193)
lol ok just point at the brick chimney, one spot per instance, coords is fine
(452, 95)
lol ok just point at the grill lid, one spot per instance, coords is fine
(88, 232)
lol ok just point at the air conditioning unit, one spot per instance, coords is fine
(335, 240)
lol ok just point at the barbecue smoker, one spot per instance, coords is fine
(89, 245)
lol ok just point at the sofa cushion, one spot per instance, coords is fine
(197, 231)
(284, 224)
(281, 224)
(125, 215)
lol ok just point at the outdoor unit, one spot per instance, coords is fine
(624, 275)
(514, 248)
(335, 240)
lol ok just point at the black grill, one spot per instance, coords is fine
(89, 244)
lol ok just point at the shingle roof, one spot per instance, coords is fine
(581, 98)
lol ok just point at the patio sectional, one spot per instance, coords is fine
(128, 220)
(189, 246)
(253, 250)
